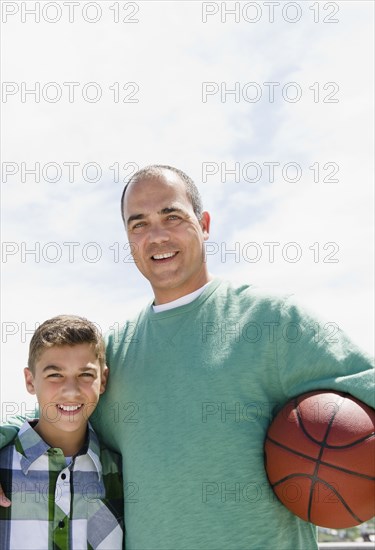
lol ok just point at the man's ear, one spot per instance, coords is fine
(29, 380)
(104, 378)
(205, 225)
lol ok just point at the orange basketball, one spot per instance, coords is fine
(320, 458)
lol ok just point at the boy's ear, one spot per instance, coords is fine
(29, 380)
(104, 377)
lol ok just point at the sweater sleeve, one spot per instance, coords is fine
(313, 355)
(9, 431)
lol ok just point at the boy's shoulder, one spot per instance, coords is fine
(6, 455)
(28, 445)
(109, 459)
(19, 439)
(109, 463)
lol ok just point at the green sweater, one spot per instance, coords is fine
(190, 396)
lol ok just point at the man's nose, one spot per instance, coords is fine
(158, 234)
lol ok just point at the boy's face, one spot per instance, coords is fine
(67, 382)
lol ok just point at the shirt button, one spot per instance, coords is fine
(61, 524)
(63, 476)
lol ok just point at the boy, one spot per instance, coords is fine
(66, 492)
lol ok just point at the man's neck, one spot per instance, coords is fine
(171, 295)
(180, 301)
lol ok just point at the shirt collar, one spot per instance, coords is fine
(32, 446)
(180, 301)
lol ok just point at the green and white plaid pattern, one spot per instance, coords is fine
(60, 507)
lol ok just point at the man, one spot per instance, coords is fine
(166, 232)
(195, 380)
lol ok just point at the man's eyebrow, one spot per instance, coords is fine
(135, 217)
(170, 209)
(163, 211)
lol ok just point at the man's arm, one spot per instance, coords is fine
(316, 355)
(8, 432)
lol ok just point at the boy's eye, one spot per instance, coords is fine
(87, 374)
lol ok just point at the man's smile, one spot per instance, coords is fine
(163, 257)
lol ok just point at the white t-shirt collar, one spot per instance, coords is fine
(180, 301)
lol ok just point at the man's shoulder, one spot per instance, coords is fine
(122, 330)
(254, 294)
(281, 304)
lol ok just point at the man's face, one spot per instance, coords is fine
(166, 236)
(67, 382)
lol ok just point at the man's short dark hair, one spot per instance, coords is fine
(157, 171)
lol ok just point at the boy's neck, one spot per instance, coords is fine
(69, 442)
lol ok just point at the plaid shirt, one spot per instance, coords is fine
(60, 507)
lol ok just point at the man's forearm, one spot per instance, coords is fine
(9, 430)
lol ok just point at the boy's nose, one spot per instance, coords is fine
(71, 388)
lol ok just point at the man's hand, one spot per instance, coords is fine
(4, 501)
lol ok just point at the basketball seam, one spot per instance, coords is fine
(331, 446)
(321, 450)
(323, 462)
(311, 477)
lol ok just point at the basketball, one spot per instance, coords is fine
(320, 458)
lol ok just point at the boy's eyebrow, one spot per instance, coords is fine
(87, 367)
(163, 211)
(56, 368)
(51, 367)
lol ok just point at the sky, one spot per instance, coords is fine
(267, 106)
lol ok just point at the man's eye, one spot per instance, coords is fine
(54, 375)
(87, 374)
(137, 227)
